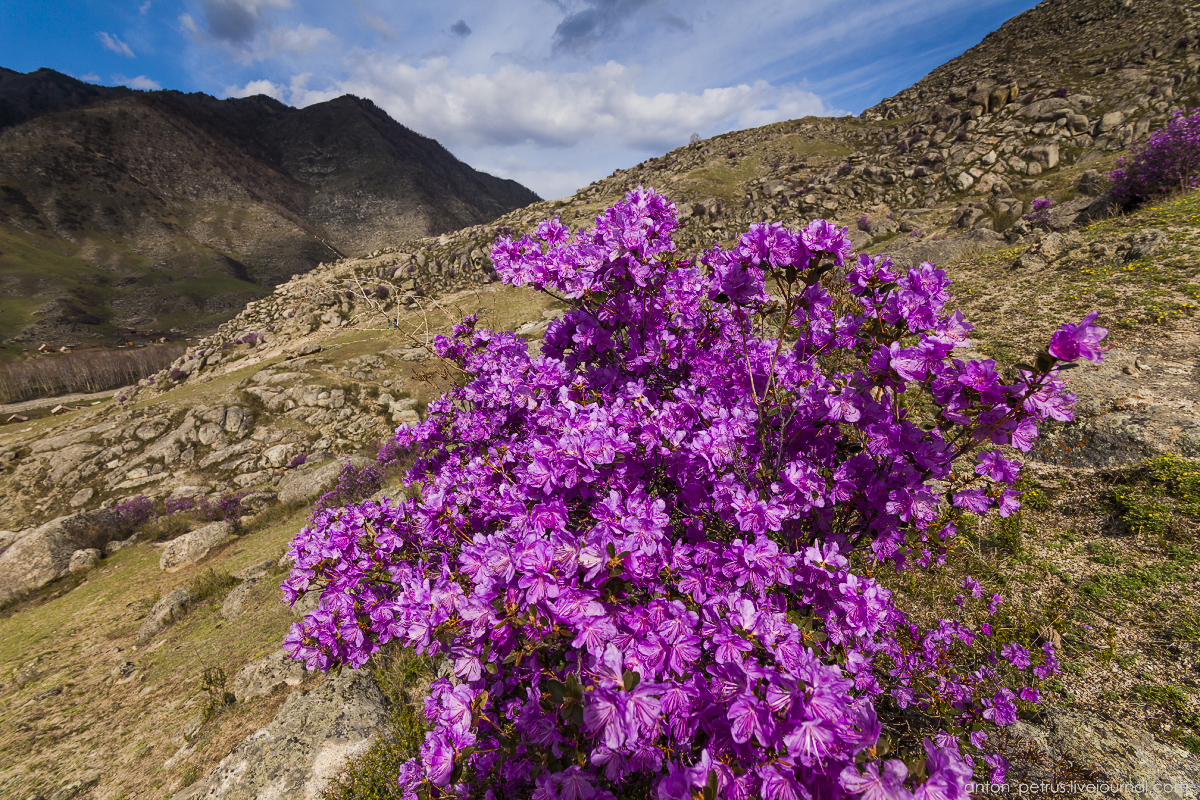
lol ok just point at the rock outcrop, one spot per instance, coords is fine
(42, 555)
(306, 744)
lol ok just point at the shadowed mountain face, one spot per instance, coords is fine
(161, 210)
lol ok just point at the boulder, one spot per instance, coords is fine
(1110, 121)
(308, 483)
(43, 554)
(84, 560)
(235, 602)
(165, 612)
(259, 678)
(1105, 750)
(191, 547)
(307, 743)
(1145, 243)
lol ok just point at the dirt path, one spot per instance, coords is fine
(62, 399)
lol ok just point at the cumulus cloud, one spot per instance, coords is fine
(515, 105)
(140, 82)
(280, 92)
(114, 44)
(460, 28)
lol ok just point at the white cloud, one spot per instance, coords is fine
(114, 44)
(144, 8)
(277, 90)
(140, 82)
(514, 105)
(90, 77)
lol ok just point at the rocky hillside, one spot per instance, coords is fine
(160, 211)
(140, 657)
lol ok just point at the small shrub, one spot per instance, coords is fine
(1061, 91)
(190, 775)
(213, 682)
(863, 223)
(166, 527)
(135, 512)
(1168, 161)
(354, 484)
(209, 584)
(1041, 212)
(297, 460)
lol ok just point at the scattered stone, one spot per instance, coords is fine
(235, 602)
(166, 611)
(84, 560)
(262, 677)
(191, 547)
(1146, 243)
(81, 498)
(255, 570)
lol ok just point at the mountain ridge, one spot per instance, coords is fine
(121, 191)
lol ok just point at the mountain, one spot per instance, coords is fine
(112, 675)
(162, 210)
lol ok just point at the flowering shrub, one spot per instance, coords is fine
(646, 551)
(863, 223)
(354, 483)
(135, 511)
(298, 460)
(1167, 161)
(1040, 215)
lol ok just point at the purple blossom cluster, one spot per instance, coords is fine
(1168, 161)
(1040, 214)
(646, 551)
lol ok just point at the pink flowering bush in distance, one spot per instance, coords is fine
(644, 551)
(1166, 162)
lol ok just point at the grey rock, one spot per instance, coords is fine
(1044, 154)
(1070, 214)
(64, 462)
(260, 678)
(1106, 750)
(279, 455)
(166, 611)
(84, 560)
(308, 483)
(255, 570)
(43, 554)
(1121, 419)
(1146, 243)
(234, 604)
(306, 744)
(191, 547)
(238, 421)
(81, 498)
(1110, 121)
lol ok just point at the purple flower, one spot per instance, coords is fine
(1073, 342)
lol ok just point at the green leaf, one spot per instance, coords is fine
(631, 680)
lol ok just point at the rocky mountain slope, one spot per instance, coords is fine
(161, 210)
(119, 638)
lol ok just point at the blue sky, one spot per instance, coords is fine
(552, 93)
